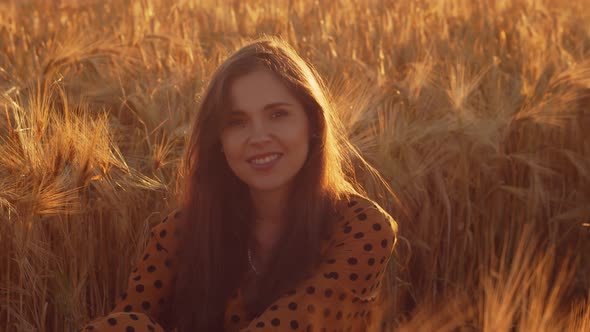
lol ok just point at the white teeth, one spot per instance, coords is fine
(265, 159)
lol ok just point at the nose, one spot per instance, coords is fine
(260, 133)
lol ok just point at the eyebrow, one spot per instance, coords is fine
(266, 107)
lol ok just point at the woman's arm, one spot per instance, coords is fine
(343, 292)
(149, 287)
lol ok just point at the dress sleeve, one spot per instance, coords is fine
(343, 293)
(142, 306)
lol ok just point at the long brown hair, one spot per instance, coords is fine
(216, 208)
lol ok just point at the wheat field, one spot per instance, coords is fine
(476, 112)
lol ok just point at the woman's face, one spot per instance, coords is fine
(265, 136)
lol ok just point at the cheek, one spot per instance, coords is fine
(231, 147)
(302, 136)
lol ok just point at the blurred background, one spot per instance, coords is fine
(476, 112)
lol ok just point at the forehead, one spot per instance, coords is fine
(255, 90)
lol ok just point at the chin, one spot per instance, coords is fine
(266, 186)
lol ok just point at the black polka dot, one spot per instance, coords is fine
(362, 216)
(128, 308)
(274, 307)
(357, 210)
(328, 292)
(145, 305)
(351, 203)
(331, 275)
(112, 321)
(235, 318)
(327, 312)
(151, 327)
(139, 288)
(124, 295)
(359, 235)
(260, 324)
(342, 297)
(151, 268)
(133, 316)
(352, 261)
(347, 229)
(368, 247)
(293, 306)
(158, 284)
(353, 276)
(311, 308)
(294, 324)
(163, 233)
(137, 278)
(275, 322)
(371, 261)
(377, 227)
(146, 256)
(168, 262)
(129, 329)
(384, 243)
(159, 247)
(310, 290)
(363, 291)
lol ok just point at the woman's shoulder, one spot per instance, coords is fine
(170, 227)
(360, 218)
(355, 204)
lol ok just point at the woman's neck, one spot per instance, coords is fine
(269, 208)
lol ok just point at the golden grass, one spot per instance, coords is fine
(477, 112)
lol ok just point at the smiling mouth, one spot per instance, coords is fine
(266, 159)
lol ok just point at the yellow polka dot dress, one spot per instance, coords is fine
(343, 294)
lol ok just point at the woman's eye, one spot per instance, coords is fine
(279, 113)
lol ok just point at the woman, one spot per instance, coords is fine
(273, 232)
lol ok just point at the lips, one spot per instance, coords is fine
(265, 164)
(264, 155)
